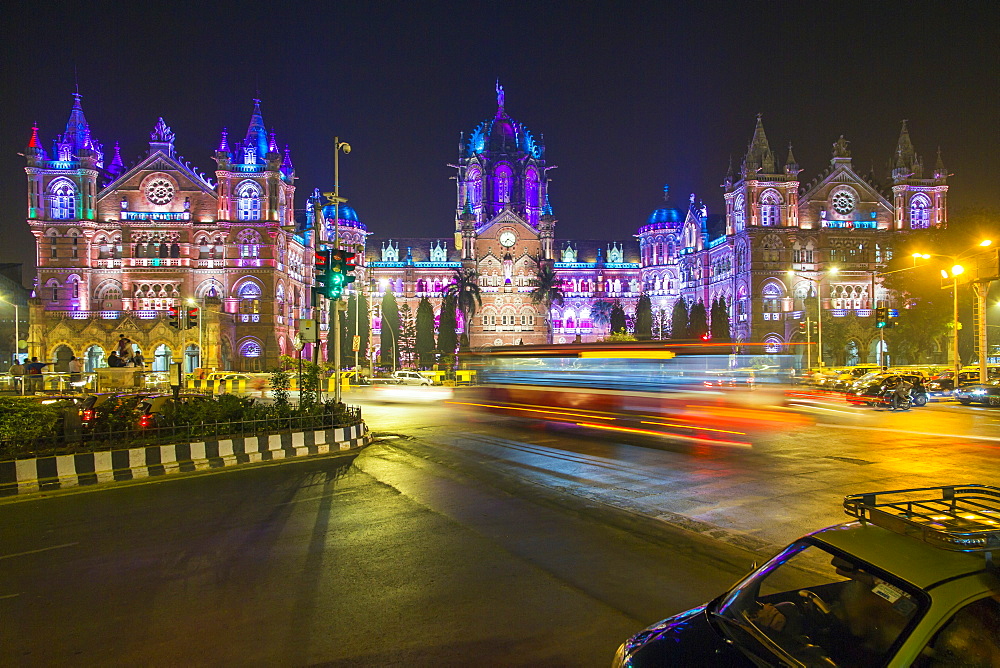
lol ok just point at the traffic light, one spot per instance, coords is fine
(802, 327)
(173, 317)
(323, 282)
(707, 336)
(340, 271)
(192, 319)
(881, 317)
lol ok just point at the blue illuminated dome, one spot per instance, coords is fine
(665, 216)
(345, 213)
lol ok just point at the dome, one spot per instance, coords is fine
(345, 213)
(665, 216)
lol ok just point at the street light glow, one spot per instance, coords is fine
(986, 242)
(957, 270)
(834, 270)
(944, 274)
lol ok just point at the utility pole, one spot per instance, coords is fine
(981, 288)
(338, 146)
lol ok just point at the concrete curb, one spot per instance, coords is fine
(24, 476)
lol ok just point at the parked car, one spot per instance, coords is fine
(153, 408)
(410, 378)
(869, 390)
(94, 404)
(911, 583)
(987, 394)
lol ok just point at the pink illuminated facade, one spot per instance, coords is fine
(117, 247)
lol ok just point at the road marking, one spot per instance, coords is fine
(43, 549)
(913, 433)
(9, 596)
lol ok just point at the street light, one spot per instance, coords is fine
(819, 310)
(201, 329)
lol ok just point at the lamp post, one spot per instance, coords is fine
(338, 146)
(201, 328)
(819, 309)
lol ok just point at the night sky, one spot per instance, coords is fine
(629, 96)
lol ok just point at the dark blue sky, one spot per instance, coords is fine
(629, 96)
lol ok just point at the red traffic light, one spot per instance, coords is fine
(322, 258)
(706, 337)
(172, 311)
(192, 312)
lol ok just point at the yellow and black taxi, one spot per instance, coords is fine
(910, 583)
(869, 389)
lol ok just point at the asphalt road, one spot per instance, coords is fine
(456, 539)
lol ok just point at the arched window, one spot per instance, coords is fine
(249, 242)
(503, 184)
(770, 209)
(531, 192)
(739, 213)
(53, 285)
(920, 212)
(62, 200)
(771, 297)
(73, 283)
(251, 349)
(474, 188)
(248, 201)
(249, 297)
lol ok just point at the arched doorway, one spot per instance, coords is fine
(94, 359)
(251, 355)
(192, 358)
(61, 358)
(161, 358)
(853, 352)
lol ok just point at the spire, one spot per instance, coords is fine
(759, 157)
(907, 163)
(272, 144)
(117, 165)
(256, 132)
(161, 138)
(940, 173)
(791, 166)
(34, 142)
(224, 142)
(77, 129)
(286, 165)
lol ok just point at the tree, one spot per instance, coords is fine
(353, 321)
(407, 335)
(600, 313)
(424, 339)
(464, 288)
(679, 320)
(697, 321)
(619, 323)
(720, 321)
(547, 291)
(447, 339)
(389, 338)
(644, 318)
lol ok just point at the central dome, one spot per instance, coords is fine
(501, 134)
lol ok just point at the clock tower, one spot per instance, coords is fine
(504, 226)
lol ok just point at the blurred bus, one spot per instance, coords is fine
(681, 391)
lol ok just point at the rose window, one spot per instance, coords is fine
(160, 191)
(843, 202)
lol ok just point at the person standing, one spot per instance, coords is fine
(17, 375)
(75, 373)
(34, 373)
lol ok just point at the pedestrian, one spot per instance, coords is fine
(34, 373)
(16, 372)
(75, 372)
(137, 359)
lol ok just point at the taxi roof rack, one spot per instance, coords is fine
(958, 518)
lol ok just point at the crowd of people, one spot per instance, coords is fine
(27, 376)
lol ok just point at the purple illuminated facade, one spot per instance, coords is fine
(117, 247)
(505, 228)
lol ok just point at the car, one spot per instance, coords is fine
(153, 407)
(909, 582)
(93, 404)
(410, 378)
(987, 394)
(944, 384)
(869, 389)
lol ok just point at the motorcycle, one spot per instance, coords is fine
(895, 402)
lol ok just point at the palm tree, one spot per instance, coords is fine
(464, 289)
(548, 291)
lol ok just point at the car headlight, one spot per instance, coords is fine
(979, 392)
(935, 386)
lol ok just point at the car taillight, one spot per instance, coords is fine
(87, 415)
(145, 420)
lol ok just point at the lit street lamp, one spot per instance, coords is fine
(819, 310)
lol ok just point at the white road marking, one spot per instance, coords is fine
(9, 596)
(994, 439)
(43, 549)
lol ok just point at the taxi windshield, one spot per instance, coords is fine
(811, 606)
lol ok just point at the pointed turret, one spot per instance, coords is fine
(224, 142)
(940, 173)
(287, 169)
(791, 166)
(907, 163)
(223, 154)
(77, 128)
(272, 144)
(730, 175)
(759, 157)
(117, 165)
(35, 152)
(256, 133)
